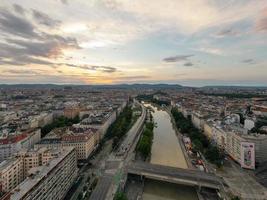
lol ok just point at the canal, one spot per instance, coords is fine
(166, 150)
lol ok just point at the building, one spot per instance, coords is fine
(11, 174)
(71, 110)
(13, 143)
(51, 181)
(260, 110)
(249, 124)
(84, 141)
(101, 123)
(197, 120)
(208, 126)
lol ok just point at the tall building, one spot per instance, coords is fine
(11, 174)
(50, 181)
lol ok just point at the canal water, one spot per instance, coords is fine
(166, 150)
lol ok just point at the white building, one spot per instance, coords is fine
(11, 144)
(249, 124)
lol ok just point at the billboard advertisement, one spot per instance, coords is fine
(248, 155)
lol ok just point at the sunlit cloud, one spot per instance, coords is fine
(84, 42)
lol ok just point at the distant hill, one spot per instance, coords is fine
(119, 86)
(233, 87)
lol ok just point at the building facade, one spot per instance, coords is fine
(51, 181)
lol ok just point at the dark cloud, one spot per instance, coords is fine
(51, 46)
(106, 69)
(249, 61)
(32, 46)
(19, 9)
(44, 19)
(64, 2)
(227, 32)
(261, 23)
(177, 58)
(22, 52)
(11, 24)
(188, 64)
(20, 71)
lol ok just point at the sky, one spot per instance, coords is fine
(188, 42)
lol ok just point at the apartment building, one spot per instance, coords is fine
(84, 142)
(51, 181)
(13, 143)
(100, 123)
(11, 174)
(197, 120)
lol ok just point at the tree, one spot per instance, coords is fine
(85, 188)
(80, 196)
(120, 196)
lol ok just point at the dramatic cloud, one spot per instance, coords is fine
(11, 24)
(106, 41)
(34, 46)
(177, 58)
(19, 9)
(44, 19)
(188, 64)
(261, 23)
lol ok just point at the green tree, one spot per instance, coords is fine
(120, 196)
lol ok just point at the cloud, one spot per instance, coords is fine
(17, 26)
(188, 64)
(209, 50)
(20, 72)
(261, 22)
(185, 16)
(177, 58)
(44, 19)
(106, 69)
(19, 9)
(227, 32)
(249, 61)
(32, 46)
(22, 52)
(64, 2)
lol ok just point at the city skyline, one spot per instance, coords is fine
(192, 43)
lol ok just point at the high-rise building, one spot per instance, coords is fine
(50, 181)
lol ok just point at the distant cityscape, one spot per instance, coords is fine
(72, 142)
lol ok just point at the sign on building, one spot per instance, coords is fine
(248, 155)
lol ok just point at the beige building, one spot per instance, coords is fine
(35, 158)
(84, 143)
(11, 174)
(51, 181)
(208, 129)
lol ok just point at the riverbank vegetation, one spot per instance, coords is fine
(150, 98)
(59, 123)
(199, 141)
(120, 127)
(145, 143)
(261, 121)
(120, 196)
